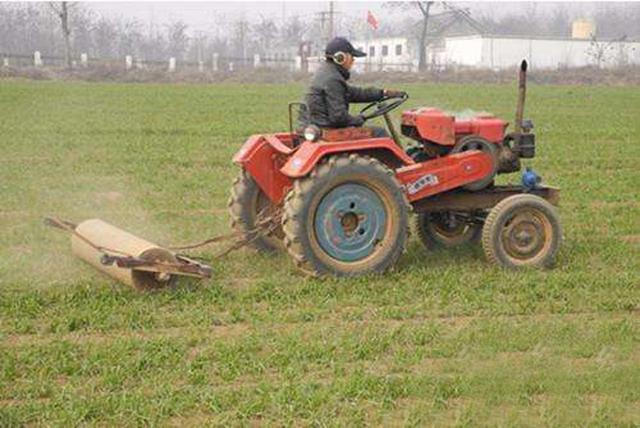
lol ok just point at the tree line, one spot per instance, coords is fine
(61, 28)
(47, 27)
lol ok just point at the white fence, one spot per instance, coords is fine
(462, 52)
(217, 63)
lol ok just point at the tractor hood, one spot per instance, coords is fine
(434, 125)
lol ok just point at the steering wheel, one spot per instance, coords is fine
(382, 107)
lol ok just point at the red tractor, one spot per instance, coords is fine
(340, 201)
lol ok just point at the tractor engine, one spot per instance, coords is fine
(433, 127)
(439, 133)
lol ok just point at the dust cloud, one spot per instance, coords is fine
(33, 255)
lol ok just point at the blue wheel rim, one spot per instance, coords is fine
(350, 221)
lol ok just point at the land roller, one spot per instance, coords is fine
(340, 202)
(127, 258)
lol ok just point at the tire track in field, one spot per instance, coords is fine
(243, 328)
(440, 368)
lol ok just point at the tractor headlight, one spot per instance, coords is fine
(312, 133)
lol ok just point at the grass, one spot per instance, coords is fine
(445, 339)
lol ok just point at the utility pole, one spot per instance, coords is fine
(323, 17)
(330, 20)
(242, 32)
(327, 17)
(200, 48)
(152, 21)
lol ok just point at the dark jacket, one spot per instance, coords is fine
(329, 97)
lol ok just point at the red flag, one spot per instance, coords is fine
(371, 20)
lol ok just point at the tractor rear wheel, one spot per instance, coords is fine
(445, 230)
(474, 142)
(248, 204)
(522, 230)
(349, 217)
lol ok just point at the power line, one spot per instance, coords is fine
(465, 15)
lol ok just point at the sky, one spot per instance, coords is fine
(200, 15)
(207, 16)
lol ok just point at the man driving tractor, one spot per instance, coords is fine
(340, 202)
(329, 96)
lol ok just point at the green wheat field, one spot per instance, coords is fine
(445, 339)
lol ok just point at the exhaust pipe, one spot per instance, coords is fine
(520, 143)
(522, 92)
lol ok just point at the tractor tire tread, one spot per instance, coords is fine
(493, 221)
(294, 205)
(431, 242)
(241, 190)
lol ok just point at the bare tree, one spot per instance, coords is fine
(61, 9)
(240, 39)
(105, 35)
(292, 31)
(433, 25)
(265, 31)
(599, 51)
(129, 38)
(559, 23)
(425, 14)
(425, 8)
(178, 39)
(81, 23)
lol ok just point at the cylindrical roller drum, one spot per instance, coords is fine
(103, 234)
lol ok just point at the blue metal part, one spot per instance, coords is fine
(350, 221)
(530, 179)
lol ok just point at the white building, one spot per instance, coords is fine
(279, 58)
(386, 54)
(495, 52)
(486, 51)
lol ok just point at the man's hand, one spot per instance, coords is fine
(357, 120)
(392, 93)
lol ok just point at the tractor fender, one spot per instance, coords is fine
(262, 156)
(303, 160)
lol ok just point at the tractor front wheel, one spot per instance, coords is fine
(522, 230)
(445, 230)
(349, 217)
(248, 205)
